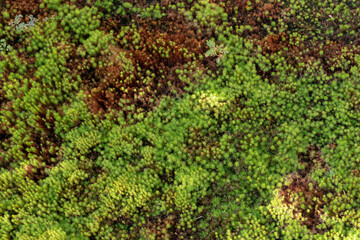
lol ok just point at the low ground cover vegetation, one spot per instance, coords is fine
(179, 119)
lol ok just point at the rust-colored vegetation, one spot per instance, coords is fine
(156, 50)
(305, 194)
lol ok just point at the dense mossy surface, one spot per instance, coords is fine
(179, 119)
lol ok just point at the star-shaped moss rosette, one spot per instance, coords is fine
(215, 50)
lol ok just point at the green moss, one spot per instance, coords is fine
(6, 15)
(263, 146)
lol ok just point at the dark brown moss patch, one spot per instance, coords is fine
(304, 194)
(157, 51)
(23, 7)
(161, 227)
(255, 14)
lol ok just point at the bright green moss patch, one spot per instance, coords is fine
(179, 120)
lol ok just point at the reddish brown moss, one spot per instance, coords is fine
(305, 194)
(162, 227)
(109, 83)
(23, 7)
(308, 196)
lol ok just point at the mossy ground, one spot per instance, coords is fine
(116, 124)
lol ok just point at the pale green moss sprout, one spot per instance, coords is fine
(216, 50)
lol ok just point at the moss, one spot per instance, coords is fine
(6, 15)
(117, 120)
